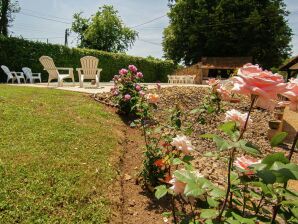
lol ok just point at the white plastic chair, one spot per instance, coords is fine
(89, 70)
(53, 71)
(31, 76)
(13, 75)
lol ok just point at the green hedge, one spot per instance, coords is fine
(17, 53)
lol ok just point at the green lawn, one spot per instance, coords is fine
(55, 150)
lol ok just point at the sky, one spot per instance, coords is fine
(47, 19)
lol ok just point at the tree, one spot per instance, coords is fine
(104, 31)
(7, 9)
(256, 28)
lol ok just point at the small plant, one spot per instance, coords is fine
(127, 91)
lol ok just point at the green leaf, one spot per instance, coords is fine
(278, 139)
(276, 157)
(249, 148)
(177, 161)
(193, 189)
(267, 176)
(132, 124)
(217, 193)
(161, 191)
(243, 220)
(187, 158)
(221, 143)
(210, 136)
(229, 127)
(208, 214)
(212, 202)
(290, 202)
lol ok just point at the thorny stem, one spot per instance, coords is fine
(278, 205)
(173, 209)
(260, 203)
(231, 200)
(231, 159)
(244, 200)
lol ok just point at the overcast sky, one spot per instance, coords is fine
(42, 19)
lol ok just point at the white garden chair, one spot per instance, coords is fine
(89, 70)
(31, 76)
(13, 75)
(53, 71)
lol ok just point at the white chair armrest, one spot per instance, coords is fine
(60, 68)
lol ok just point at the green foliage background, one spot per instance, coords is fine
(17, 53)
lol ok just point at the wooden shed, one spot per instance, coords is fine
(206, 67)
(291, 67)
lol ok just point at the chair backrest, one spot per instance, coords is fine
(27, 71)
(89, 65)
(7, 71)
(49, 65)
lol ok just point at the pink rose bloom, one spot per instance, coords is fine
(265, 84)
(123, 71)
(213, 82)
(178, 186)
(224, 93)
(249, 68)
(238, 117)
(182, 144)
(140, 75)
(152, 98)
(127, 97)
(244, 163)
(142, 93)
(132, 68)
(158, 86)
(291, 93)
(138, 88)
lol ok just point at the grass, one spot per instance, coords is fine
(55, 150)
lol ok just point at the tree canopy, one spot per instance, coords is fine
(104, 31)
(257, 28)
(7, 9)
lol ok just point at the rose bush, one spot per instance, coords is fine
(127, 91)
(291, 93)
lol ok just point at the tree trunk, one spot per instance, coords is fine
(4, 17)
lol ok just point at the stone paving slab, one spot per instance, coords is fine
(91, 89)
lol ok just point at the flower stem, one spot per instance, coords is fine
(232, 155)
(293, 147)
(173, 209)
(260, 203)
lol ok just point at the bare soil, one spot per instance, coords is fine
(133, 203)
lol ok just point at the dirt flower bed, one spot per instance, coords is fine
(206, 160)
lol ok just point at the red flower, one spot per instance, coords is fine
(159, 163)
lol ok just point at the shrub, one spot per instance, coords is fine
(17, 53)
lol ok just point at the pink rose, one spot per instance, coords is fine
(244, 163)
(178, 186)
(138, 88)
(224, 93)
(249, 68)
(132, 68)
(127, 97)
(291, 93)
(213, 82)
(142, 93)
(238, 117)
(158, 86)
(265, 84)
(123, 71)
(140, 75)
(182, 144)
(152, 98)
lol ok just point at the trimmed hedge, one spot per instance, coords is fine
(17, 53)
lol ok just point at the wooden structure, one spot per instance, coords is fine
(202, 69)
(291, 68)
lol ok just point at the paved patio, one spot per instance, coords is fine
(92, 89)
